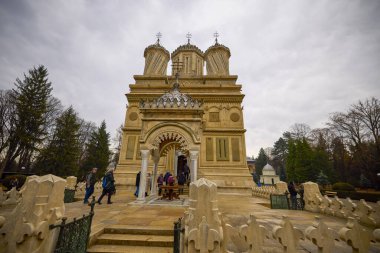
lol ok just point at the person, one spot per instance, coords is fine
(90, 184)
(293, 195)
(137, 184)
(167, 174)
(108, 185)
(14, 183)
(170, 180)
(186, 170)
(160, 182)
(181, 182)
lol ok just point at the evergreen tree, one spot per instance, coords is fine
(61, 155)
(33, 103)
(290, 160)
(98, 152)
(303, 168)
(322, 179)
(261, 161)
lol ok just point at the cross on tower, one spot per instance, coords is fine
(177, 66)
(158, 35)
(188, 36)
(216, 35)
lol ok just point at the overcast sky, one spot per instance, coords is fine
(298, 61)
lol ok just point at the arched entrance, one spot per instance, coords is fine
(174, 143)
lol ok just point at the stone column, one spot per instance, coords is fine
(193, 164)
(154, 179)
(144, 169)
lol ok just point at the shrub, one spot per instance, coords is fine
(341, 186)
(8, 181)
(369, 197)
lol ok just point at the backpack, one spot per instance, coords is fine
(104, 182)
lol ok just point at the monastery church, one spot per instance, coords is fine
(191, 116)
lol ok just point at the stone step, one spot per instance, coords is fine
(128, 249)
(138, 230)
(136, 240)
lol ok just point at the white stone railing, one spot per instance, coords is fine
(25, 216)
(265, 191)
(207, 231)
(343, 208)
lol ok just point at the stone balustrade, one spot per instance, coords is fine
(25, 216)
(265, 191)
(343, 208)
(207, 231)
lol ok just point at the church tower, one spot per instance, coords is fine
(186, 117)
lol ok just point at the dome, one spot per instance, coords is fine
(156, 46)
(187, 47)
(172, 98)
(268, 167)
(268, 170)
(217, 46)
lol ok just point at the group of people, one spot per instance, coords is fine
(108, 185)
(167, 179)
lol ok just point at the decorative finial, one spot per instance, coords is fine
(158, 35)
(188, 36)
(216, 35)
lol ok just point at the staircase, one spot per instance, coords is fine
(137, 239)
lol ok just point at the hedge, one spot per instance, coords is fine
(341, 186)
(367, 196)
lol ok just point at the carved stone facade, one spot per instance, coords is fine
(195, 113)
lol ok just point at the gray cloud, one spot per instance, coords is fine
(298, 61)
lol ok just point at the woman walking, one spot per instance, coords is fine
(108, 185)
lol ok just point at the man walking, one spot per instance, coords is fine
(90, 183)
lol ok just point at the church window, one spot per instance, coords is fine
(222, 149)
(214, 117)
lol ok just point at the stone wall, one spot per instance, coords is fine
(207, 231)
(265, 191)
(343, 208)
(25, 216)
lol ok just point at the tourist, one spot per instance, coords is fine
(108, 185)
(167, 174)
(181, 182)
(186, 170)
(160, 182)
(148, 184)
(137, 184)
(293, 195)
(90, 184)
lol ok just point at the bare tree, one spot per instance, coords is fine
(7, 120)
(368, 112)
(300, 130)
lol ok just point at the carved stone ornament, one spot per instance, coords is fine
(235, 117)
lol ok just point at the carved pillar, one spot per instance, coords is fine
(156, 159)
(193, 164)
(144, 169)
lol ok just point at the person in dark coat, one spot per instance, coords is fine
(108, 185)
(167, 175)
(90, 184)
(293, 195)
(160, 182)
(137, 184)
(181, 182)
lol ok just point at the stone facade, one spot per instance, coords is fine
(195, 116)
